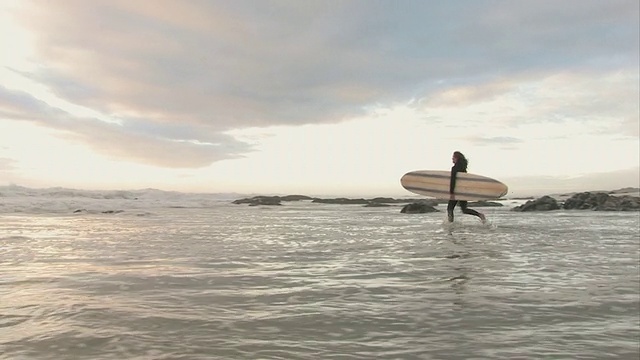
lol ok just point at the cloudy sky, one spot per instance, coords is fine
(318, 97)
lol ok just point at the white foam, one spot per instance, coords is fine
(18, 199)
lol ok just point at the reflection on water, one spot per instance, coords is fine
(308, 281)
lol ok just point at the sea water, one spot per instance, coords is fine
(151, 275)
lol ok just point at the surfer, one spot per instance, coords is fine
(460, 163)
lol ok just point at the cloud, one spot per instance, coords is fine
(179, 75)
(20, 105)
(469, 94)
(557, 34)
(7, 164)
(256, 63)
(501, 140)
(603, 103)
(8, 167)
(166, 145)
(629, 126)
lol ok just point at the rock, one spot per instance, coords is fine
(383, 200)
(484, 203)
(265, 200)
(242, 201)
(295, 198)
(376, 204)
(545, 203)
(342, 201)
(419, 207)
(428, 202)
(602, 202)
(627, 190)
(270, 200)
(388, 200)
(584, 201)
(377, 201)
(260, 200)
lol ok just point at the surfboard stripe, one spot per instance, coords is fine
(470, 187)
(437, 176)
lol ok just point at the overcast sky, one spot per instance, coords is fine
(318, 97)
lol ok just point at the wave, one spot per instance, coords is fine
(20, 199)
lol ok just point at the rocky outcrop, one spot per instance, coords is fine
(342, 201)
(419, 207)
(388, 200)
(376, 204)
(260, 200)
(270, 200)
(373, 202)
(626, 191)
(85, 211)
(295, 198)
(602, 202)
(484, 203)
(545, 203)
(277, 200)
(596, 201)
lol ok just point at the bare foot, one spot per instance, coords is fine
(483, 218)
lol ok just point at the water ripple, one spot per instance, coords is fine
(319, 282)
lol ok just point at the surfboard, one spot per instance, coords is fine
(435, 183)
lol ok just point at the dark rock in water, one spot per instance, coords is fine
(383, 200)
(545, 203)
(585, 201)
(270, 200)
(295, 198)
(419, 207)
(377, 200)
(387, 200)
(343, 201)
(260, 200)
(244, 200)
(484, 203)
(376, 204)
(265, 200)
(241, 201)
(429, 202)
(625, 190)
(103, 212)
(602, 202)
(113, 211)
(276, 200)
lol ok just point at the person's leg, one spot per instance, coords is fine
(466, 210)
(450, 206)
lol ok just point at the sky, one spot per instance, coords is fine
(332, 97)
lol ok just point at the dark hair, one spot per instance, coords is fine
(461, 159)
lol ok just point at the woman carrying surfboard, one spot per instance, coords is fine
(460, 163)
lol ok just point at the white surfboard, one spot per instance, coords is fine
(435, 183)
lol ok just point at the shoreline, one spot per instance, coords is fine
(632, 192)
(626, 199)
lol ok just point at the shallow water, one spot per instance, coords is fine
(317, 281)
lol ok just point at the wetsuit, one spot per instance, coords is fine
(459, 166)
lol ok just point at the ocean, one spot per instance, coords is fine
(159, 275)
